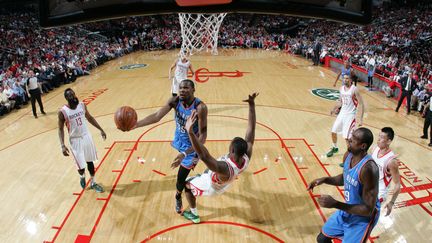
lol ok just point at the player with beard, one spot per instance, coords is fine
(356, 217)
(82, 148)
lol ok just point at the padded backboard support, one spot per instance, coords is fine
(190, 3)
(66, 12)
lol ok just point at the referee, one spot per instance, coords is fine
(34, 92)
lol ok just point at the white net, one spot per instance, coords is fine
(200, 32)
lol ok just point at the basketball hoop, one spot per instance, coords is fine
(199, 32)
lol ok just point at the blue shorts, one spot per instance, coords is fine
(191, 159)
(350, 228)
(370, 73)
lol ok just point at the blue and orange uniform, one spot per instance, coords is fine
(181, 140)
(351, 227)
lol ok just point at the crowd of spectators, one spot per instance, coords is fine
(398, 40)
(57, 56)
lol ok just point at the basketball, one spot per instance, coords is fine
(125, 118)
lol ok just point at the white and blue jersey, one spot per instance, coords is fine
(181, 140)
(351, 227)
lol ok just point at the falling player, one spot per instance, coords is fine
(223, 171)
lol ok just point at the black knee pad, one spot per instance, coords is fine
(181, 178)
(81, 171)
(91, 168)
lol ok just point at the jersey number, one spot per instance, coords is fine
(346, 195)
(78, 121)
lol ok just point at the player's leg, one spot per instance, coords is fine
(186, 165)
(93, 184)
(334, 149)
(81, 172)
(78, 156)
(337, 127)
(189, 196)
(348, 126)
(197, 186)
(90, 156)
(182, 174)
(193, 213)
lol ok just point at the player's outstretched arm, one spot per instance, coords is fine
(337, 78)
(250, 132)
(331, 180)
(202, 122)
(201, 150)
(61, 122)
(93, 121)
(158, 115)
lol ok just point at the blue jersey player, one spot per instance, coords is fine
(183, 105)
(356, 217)
(346, 70)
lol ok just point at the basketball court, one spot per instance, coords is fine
(43, 201)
